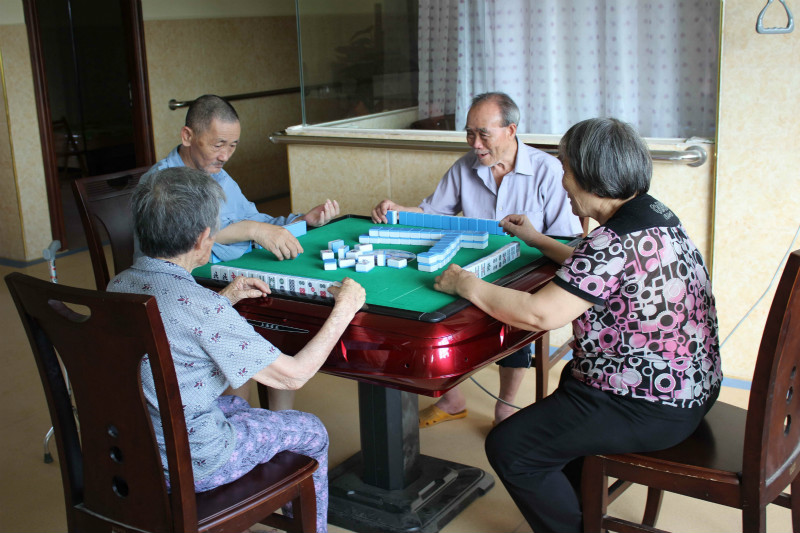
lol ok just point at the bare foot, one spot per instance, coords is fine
(452, 402)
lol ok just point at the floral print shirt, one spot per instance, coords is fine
(652, 332)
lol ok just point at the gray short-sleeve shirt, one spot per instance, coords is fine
(212, 346)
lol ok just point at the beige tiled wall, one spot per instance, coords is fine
(188, 58)
(11, 235)
(25, 225)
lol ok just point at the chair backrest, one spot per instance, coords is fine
(772, 434)
(104, 202)
(110, 464)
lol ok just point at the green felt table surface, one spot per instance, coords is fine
(408, 288)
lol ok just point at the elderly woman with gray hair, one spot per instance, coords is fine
(646, 365)
(176, 215)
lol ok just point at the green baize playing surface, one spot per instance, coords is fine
(407, 288)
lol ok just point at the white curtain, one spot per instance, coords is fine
(650, 63)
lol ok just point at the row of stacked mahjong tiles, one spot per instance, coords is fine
(427, 220)
(445, 244)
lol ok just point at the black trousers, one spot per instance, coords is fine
(538, 452)
(520, 359)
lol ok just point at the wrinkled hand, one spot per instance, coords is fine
(322, 214)
(520, 226)
(350, 295)
(452, 279)
(278, 240)
(242, 288)
(380, 210)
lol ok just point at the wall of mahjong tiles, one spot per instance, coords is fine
(408, 288)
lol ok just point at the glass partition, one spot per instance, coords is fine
(397, 64)
(357, 57)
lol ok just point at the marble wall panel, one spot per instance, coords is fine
(758, 181)
(357, 178)
(415, 175)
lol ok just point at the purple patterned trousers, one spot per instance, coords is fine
(260, 434)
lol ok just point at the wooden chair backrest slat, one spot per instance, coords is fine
(772, 436)
(104, 203)
(110, 462)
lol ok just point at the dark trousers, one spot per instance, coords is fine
(538, 452)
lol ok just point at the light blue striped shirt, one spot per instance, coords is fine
(235, 209)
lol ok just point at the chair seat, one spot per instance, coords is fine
(738, 458)
(265, 481)
(709, 454)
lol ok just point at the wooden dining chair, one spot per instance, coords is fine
(738, 458)
(111, 467)
(104, 206)
(69, 147)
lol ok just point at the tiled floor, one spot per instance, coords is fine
(31, 497)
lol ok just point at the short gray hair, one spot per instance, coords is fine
(607, 157)
(172, 208)
(206, 109)
(508, 108)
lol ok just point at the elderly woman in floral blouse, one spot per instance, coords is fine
(646, 365)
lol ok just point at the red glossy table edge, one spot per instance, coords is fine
(420, 357)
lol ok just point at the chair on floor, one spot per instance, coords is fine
(70, 156)
(742, 459)
(543, 358)
(110, 466)
(104, 205)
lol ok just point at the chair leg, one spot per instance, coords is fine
(795, 499)
(754, 519)
(303, 512)
(305, 508)
(652, 507)
(594, 494)
(541, 362)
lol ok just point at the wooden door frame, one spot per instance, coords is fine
(140, 85)
(142, 123)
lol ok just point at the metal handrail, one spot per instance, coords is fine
(175, 104)
(694, 156)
